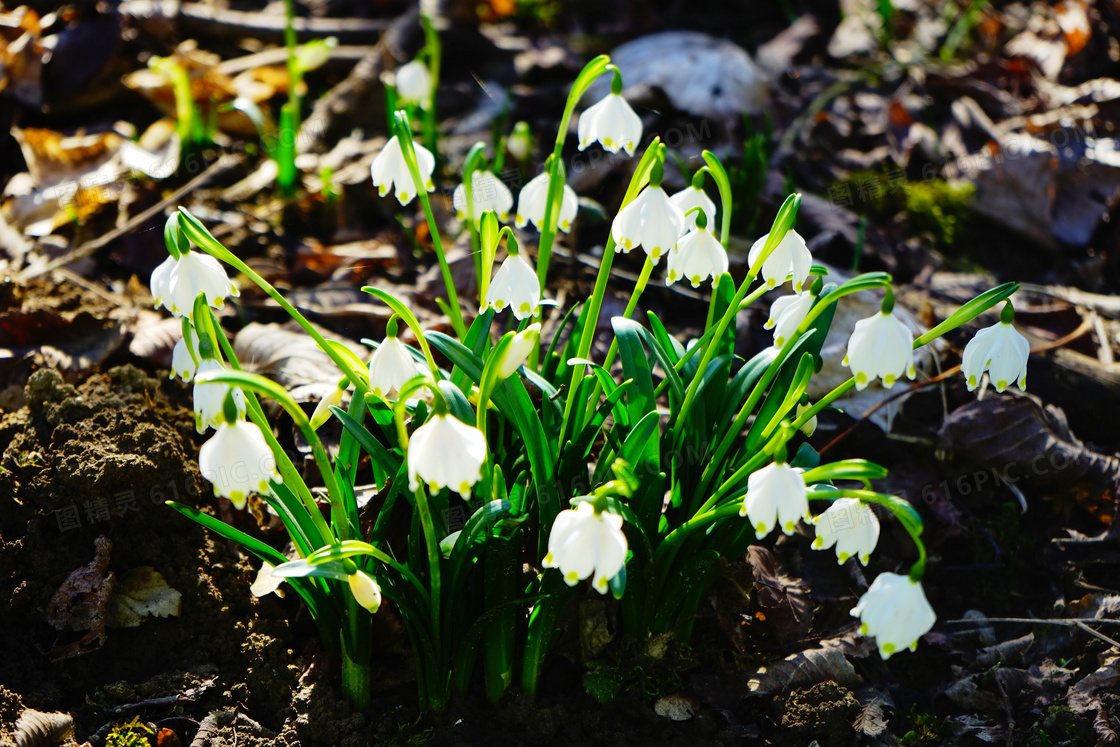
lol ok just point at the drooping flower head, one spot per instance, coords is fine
(414, 84)
(612, 122)
(365, 590)
(391, 366)
(237, 461)
(786, 315)
(775, 493)
(586, 542)
(851, 526)
(651, 221)
(516, 285)
(896, 612)
(487, 193)
(533, 200)
(694, 196)
(210, 397)
(184, 355)
(1000, 351)
(389, 170)
(881, 346)
(446, 453)
(698, 255)
(790, 257)
(521, 344)
(176, 283)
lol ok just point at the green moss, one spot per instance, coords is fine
(922, 729)
(132, 734)
(930, 207)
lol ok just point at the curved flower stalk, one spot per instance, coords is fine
(851, 526)
(446, 453)
(389, 170)
(587, 541)
(651, 221)
(611, 122)
(487, 193)
(532, 203)
(777, 491)
(237, 461)
(896, 612)
(515, 285)
(414, 84)
(698, 255)
(790, 257)
(881, 346)
(1000, 351)
(786, 315)
(210, 397)
(694, 196)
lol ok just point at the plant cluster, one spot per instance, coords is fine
(638, 484)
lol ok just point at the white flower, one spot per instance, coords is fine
(237, 461)
(519, 348)
(810, 426)
(584, 542)
(533, 199)
(209, 398)
(390, 368)
(613, 123)
(365, 590)
(516, 285)
(880, 345)
(160, 283)
(650, 221)
(520, 141)
(791, 255)
(446, 453)
(775, 491)
(786, 315)
(414, 84)
(487, 193)
(323, 410)
(691, 197)
(1002, 352)
(698, 256)
(178, 285)
(849, 524)
(182, 362)
(390, 170)
(896, 612)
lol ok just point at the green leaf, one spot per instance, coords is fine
(640, 399)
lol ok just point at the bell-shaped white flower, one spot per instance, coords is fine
(521, 344)
(777, 491)
(584, 542)
(390, 368)
(323, 410)
(160, 283)
(414, 84)
(894, 610)
(191, 274)
(446, 453)
(880, 345)
(691, 197)
(651, 221)
(613, 123)
(520, 142)
(698, 256)
(182, 360)
(533, 200)
(516, 285)
(786, 315)
(365, 590)
(791, 255)
(1002, 352)
(210, 397)
(389, 170)
(237, 461)
(851, 526)
(487, 193)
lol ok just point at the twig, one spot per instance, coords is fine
(1068, 622)
(89, 247)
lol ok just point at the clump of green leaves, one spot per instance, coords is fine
(132, 734)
